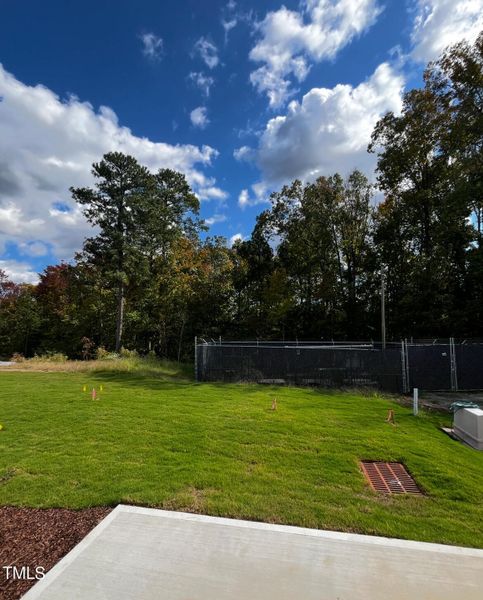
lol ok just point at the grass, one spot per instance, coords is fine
(145, 366)
(156, 438)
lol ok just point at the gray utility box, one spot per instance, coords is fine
(468, 426)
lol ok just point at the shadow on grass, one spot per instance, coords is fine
(149, 378)
(154, 379)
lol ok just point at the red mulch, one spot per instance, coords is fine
(36, 537)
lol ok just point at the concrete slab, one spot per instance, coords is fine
(147, 554)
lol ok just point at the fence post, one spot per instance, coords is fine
(196, 358)
(415, 401)
(406, 354)
(403, 367)
(453, 369)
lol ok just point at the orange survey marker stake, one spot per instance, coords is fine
(93, 393)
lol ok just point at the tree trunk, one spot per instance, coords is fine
(479, 213)
(181, 338)
(26, 345)
(120, 316)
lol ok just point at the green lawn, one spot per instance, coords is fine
(220, 450)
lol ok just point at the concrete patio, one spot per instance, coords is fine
(147, 554)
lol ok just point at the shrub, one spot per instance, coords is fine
(17, 357)
(125, 353)
(88, 348)
(56, 357)
(103, 354)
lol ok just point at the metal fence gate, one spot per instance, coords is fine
(443, 365)
(437, 365)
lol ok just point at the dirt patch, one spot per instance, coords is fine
(35, 537)
(190, 500)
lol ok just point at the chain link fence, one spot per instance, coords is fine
(432, 365)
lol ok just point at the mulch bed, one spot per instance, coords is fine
(36, 537)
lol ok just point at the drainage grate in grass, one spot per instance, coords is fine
(389, 477)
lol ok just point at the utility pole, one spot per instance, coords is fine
(383, 309)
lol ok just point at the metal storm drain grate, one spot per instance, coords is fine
(389, 477)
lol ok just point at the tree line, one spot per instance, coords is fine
(150, 279)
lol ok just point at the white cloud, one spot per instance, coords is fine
(441, 23)
(152, 46)
(250, 130)
(328, 130)
(230, 18)
(228, 25)
(216, 218)
(211, 192)
(13, 221)
(243, 198)
(208, 52)
(259, 196)
(238, 237)
(19, 272)
(289, 39)
(34, 248)
(202, 81)
(244, 153)
(199, 117)
(48, 145)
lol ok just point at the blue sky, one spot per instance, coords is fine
(241, 96)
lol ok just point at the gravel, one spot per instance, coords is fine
(36, 537)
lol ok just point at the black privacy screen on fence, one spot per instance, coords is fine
(397, 368)
(337, 365)
(469, 361)
(429, 367)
